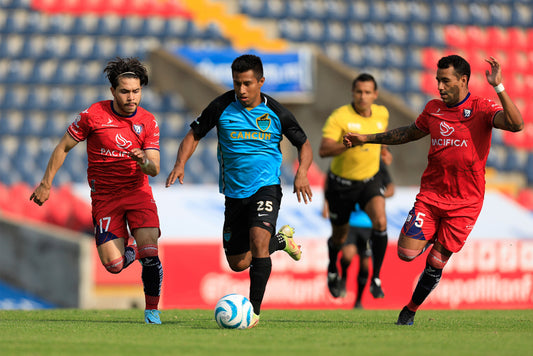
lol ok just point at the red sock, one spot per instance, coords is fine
(412, 306)
(151, 301)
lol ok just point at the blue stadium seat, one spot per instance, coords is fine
(15, 73)
(396, 33)
(358, 11)
(375, 33)
(131, 26)
(421, 12)
(529, 169)
(398, 11)
(84, 26)
(335, 31)
(60, 24)
(76, 165)
(16, 4)
(32, 124)
(291, 29)
(378, 11)
(54, 126)
(515, 161)
(418, 35)
(337, 10)
(32, 47)
(522, 15)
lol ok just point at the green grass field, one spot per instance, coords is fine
(280, 332)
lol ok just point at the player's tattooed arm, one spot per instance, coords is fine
(392, 137)
(397, 136)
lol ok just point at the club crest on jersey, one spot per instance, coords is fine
(263, 122)
(138, 129)
(467, 113)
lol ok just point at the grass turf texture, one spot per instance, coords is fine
(280, 332)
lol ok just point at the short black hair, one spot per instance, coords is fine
(365, 77)
(127, 68)
(248, 62)
(460, 65)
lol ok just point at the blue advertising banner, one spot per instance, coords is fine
(285, 73)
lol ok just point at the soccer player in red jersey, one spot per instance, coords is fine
(122, 148)
(452, 188)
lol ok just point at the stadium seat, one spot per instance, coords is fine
(378, 12)
(337, 10)
(375, 33)
(521, 14)
(175, 28)
(501, 14)
(480, 14)
(398, 11)
(460, 13)
(515, 160)
(421, 12)
(291, 29)
(397, 34)
(32, 124)
(529, 169)
(440, 12)
(358, 11)
(335, 32)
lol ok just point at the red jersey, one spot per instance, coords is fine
(109, 139)
(460, 144)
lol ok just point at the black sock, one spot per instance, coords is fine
(333, 252)
(362, 278)
(129, 256)
(277, 242)
(344, 267)
(379, 246)
(260, 269)
(152, 275)
(426, 283)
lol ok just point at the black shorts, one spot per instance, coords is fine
(261, 209)
(342, 195)
(360, 237)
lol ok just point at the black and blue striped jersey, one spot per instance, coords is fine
(249, 153)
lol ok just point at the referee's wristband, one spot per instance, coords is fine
(145, 164)
(499, 88)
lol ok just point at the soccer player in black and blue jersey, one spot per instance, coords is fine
(250, 126)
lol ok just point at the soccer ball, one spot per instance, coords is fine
(233, 311)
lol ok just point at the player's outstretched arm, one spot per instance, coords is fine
(392, 137)
(42, 192)
(185, 151)
(510, 119)
(301, 182)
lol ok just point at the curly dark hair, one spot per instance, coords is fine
(126, 67)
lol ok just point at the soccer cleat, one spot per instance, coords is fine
(375, 288)
(254, 322)
(151, 316)
(294, 250)
(406, 317)
(358, 305)
(334, 284)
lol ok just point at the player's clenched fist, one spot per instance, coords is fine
(353, 139)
